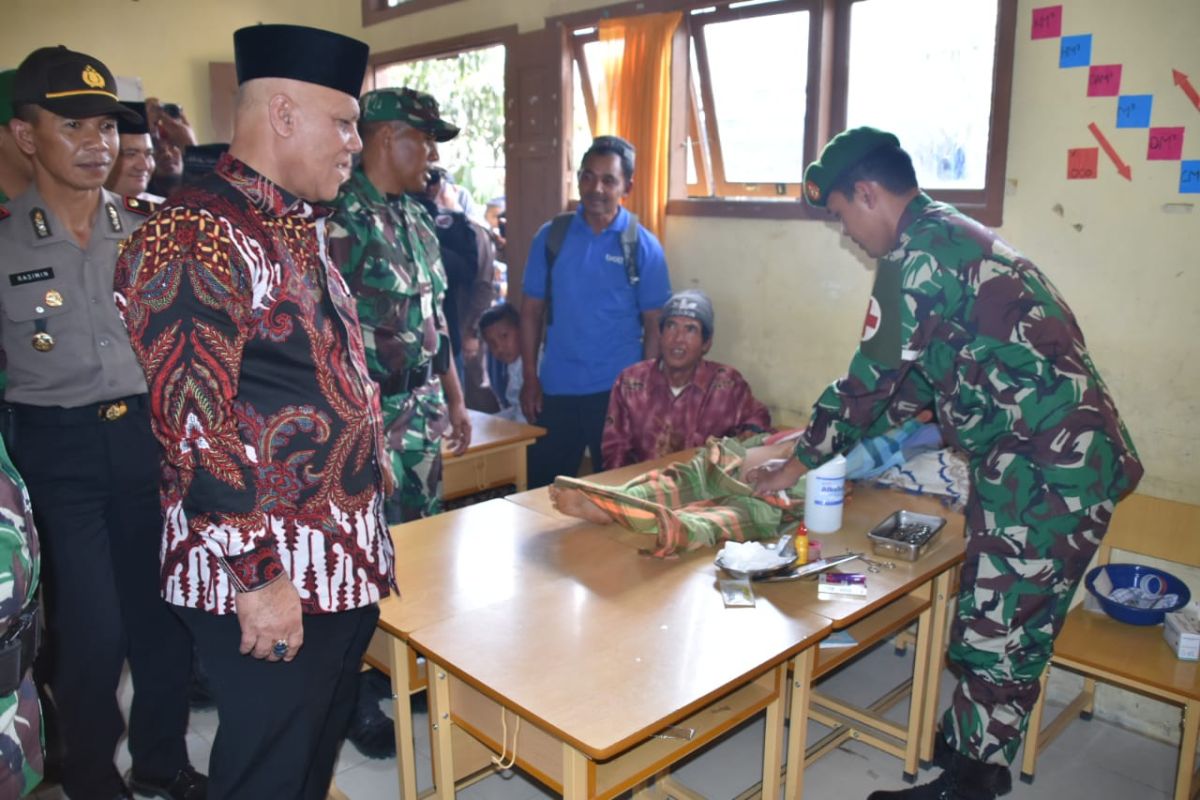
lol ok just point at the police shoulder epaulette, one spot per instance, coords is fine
(139, 206)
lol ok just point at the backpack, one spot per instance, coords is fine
(558, 234)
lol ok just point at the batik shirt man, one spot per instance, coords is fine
(260, 397)
(388, 252)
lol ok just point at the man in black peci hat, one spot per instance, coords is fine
(134, 167)
(81, 437)
(275, 548)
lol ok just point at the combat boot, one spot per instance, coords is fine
(962, 778)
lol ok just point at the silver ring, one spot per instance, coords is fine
(281, 647)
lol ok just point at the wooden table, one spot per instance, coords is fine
(909, 592)
(595, 664)
(464, 560)
(447, 565)
(496, 456)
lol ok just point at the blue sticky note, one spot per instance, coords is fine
(1189, 177)
(1133, 110)
(1075, 51)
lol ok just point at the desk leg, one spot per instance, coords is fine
(920, 683)
(802, 666)
(575, 774)
(442, 741)
(406, 755)
(773, 737)
(943, 601)
(521, 466)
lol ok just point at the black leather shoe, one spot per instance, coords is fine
(962, 779)
(188, 784)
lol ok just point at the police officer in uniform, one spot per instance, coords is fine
(81, 438)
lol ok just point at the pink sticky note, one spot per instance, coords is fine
(1104, 80)
(1082, 163)
(1166, 144)
(1047, 22)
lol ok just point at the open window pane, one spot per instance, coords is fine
(760, 95)
(934, 91)
(581, 130)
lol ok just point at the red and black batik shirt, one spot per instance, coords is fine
(260, 398)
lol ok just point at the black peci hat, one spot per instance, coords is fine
(304, 54)
(70, 84)
(125, 125)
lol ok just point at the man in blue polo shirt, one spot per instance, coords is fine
(601, 314)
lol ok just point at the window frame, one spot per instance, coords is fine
(828, 82)
(376, 11)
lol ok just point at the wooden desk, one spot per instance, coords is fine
(911, 591)
(496, 456)
(594, 667)
(467, 559)
(445, 565)
(917, 591)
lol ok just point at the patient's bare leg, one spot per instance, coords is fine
(574, 503)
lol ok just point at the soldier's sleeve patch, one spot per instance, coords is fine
(881, 324)
(140, 206)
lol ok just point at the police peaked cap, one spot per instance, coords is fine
(304, 54)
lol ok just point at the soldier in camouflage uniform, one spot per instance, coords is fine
(385, 245)
(16, 170)
(20, 713)
(963, 322)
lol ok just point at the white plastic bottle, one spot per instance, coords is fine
(824, 496)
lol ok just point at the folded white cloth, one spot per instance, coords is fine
(750, 556)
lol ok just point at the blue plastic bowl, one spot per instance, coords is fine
(1126, 575)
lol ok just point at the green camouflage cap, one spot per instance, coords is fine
(406, 105)
(843, 152)
(6, 106)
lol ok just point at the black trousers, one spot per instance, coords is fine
(281, 724)
(572, 422)
(94, 489)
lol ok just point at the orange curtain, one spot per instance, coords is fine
(637, 104)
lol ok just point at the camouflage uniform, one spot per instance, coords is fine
(21, 739)
(388, 252)
(959, 319)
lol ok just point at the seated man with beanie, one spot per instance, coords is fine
(680, 399)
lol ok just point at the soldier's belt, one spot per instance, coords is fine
(18, 646)
(91, 414)
(405, 380)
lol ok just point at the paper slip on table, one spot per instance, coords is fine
(495, 457)
(572, 680)
(920, 591)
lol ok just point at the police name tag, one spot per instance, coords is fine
(31, 276)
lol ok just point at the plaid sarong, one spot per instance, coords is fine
(701, 502)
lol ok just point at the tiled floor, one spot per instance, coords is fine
(1089, 761)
